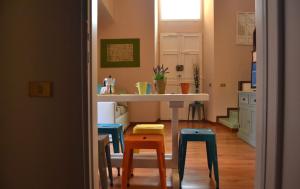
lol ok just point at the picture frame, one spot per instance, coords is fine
(116, 53)
(245, 25)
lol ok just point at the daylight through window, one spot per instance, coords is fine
(180, 9)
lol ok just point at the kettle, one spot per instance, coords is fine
(109, 84)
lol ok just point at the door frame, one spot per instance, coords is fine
(270, 72)
(92, 90)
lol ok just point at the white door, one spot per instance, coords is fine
(184, 49)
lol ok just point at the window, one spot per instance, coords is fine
(180, 9)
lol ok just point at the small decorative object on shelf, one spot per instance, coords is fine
(253, 64)
(254, 46)
(196, 71)
(185, 88)
(160, 79)
(109, 85)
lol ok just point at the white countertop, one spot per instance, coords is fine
(153, 97)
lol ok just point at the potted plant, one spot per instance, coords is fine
(160, 79)
(196, 74)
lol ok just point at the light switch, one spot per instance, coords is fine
(40, 89)
(223, 85)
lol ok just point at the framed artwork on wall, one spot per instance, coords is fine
(117, 53)
(244, 28)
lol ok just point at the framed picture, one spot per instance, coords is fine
(117, 53)
(245, 25)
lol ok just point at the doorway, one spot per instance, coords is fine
(262, 109)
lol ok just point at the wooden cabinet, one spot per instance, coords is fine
(247, 117)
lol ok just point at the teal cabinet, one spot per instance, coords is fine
(247, 117)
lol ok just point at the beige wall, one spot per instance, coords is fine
(109, 6)
(133, 19)
(224, 61)
(232, 61)
(208, 56)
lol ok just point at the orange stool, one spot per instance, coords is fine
(138, 141)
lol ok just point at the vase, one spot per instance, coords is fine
(160, 86)
(185, 88)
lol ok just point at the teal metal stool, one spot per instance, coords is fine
(104, 160)
(199, 107)
(116, 131)
(204, 135)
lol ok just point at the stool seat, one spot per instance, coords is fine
(149, 129)
(109, 125)
(205, 135)
(141, 141)
(116, 130)
(196, 132)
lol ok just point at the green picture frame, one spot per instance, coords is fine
(116, 53)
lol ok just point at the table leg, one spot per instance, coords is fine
(175, 105)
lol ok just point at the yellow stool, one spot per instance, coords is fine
(150, 129)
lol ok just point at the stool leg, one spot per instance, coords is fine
(122, 140)
(193, 112)
(179, 153)
(108, 159)
(179, 158)
(215, 161)
(209, 160)
(116, 142)
(182, 162)
(125, 167)
(102, 167)
(129, 166)
(203, 111)
(189, 112)
(162, 167)
(199, 112)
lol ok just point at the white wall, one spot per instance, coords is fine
(291, 153)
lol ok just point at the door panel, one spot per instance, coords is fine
(170, 60)
(189, 59)
(170, 42)
(180, 49)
